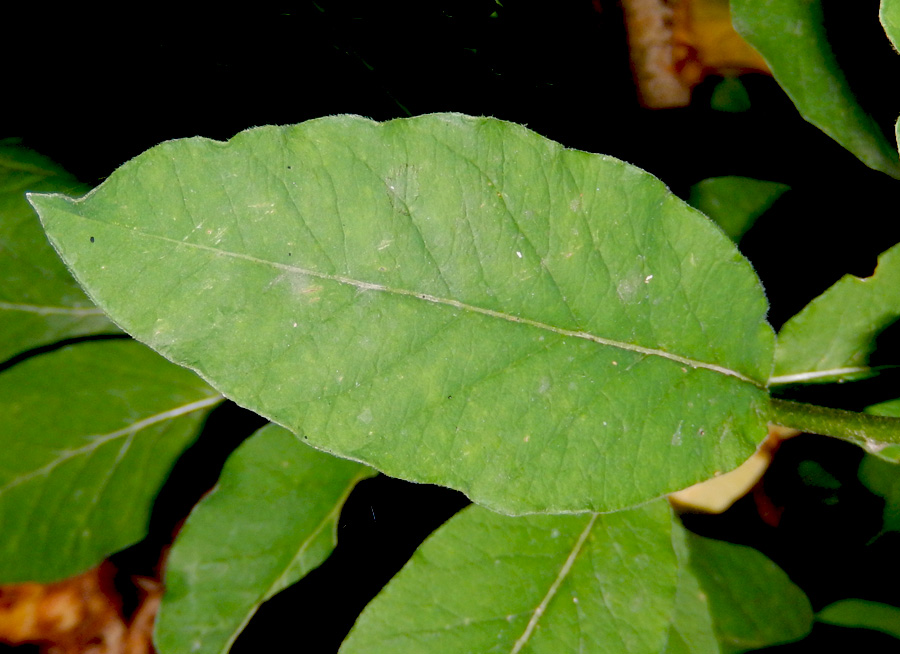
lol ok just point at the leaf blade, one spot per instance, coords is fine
(735, 202)
(791, 37)
(834, 335)
(270, 520)
(478, 294)
(71, 495)
(632, 581)
(40, 303)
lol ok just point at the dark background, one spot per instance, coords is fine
(92, 89)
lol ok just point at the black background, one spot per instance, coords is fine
(92, 89)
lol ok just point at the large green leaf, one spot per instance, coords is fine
(627, 582)
(271, 519)
(449, 299)
(89, 434)
(834, 335)
(735, 202)
(791, 37)
(40, 303)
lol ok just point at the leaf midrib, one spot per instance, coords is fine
(369, 286)
(278, 583)
(554, 587)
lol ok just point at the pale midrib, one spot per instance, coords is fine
(816, 374)
(368, 286)
(554, 587)
(277, 585)
(49, 311)
(102, 439)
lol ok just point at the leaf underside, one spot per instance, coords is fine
(449, 299)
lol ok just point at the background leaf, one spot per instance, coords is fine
(631, 581)
(880, 476)
(271, 519)
(735, 202)
(89, 434)
(889, 15)
(40, 303)
(490, 583)
(452, 300)
(750, 602)
(791, 37)
(862, 614)
(834, 335)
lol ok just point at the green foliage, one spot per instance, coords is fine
(485, 278)
(271, 519)
(90, 433)
(862, 614)
(40, 303)
(446, 299)
(791, 36)
(735, 202)
(835, 334)
(634, 581)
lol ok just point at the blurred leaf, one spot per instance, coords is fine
(882, 476)
(632, 581)
(730, 95)
(450, 299)
(791, 37)
(862, 614)
(271, 519)
(40, 303)
(834, 335)
(735, 202)
(89, 434)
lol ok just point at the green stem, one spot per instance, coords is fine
(859, 428)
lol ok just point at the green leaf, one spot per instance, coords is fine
(40, 303)
(748, 600)
(89, 434)
(791, 37)
(881, 477)
(449, 299)
(890, 408)
(735, 202)
(862, 614)
(730, 95)
(490, 583)
(889, 15)
(834, 335)
(271, 519)
(631, 581)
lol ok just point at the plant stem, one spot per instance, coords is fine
(861, 428)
